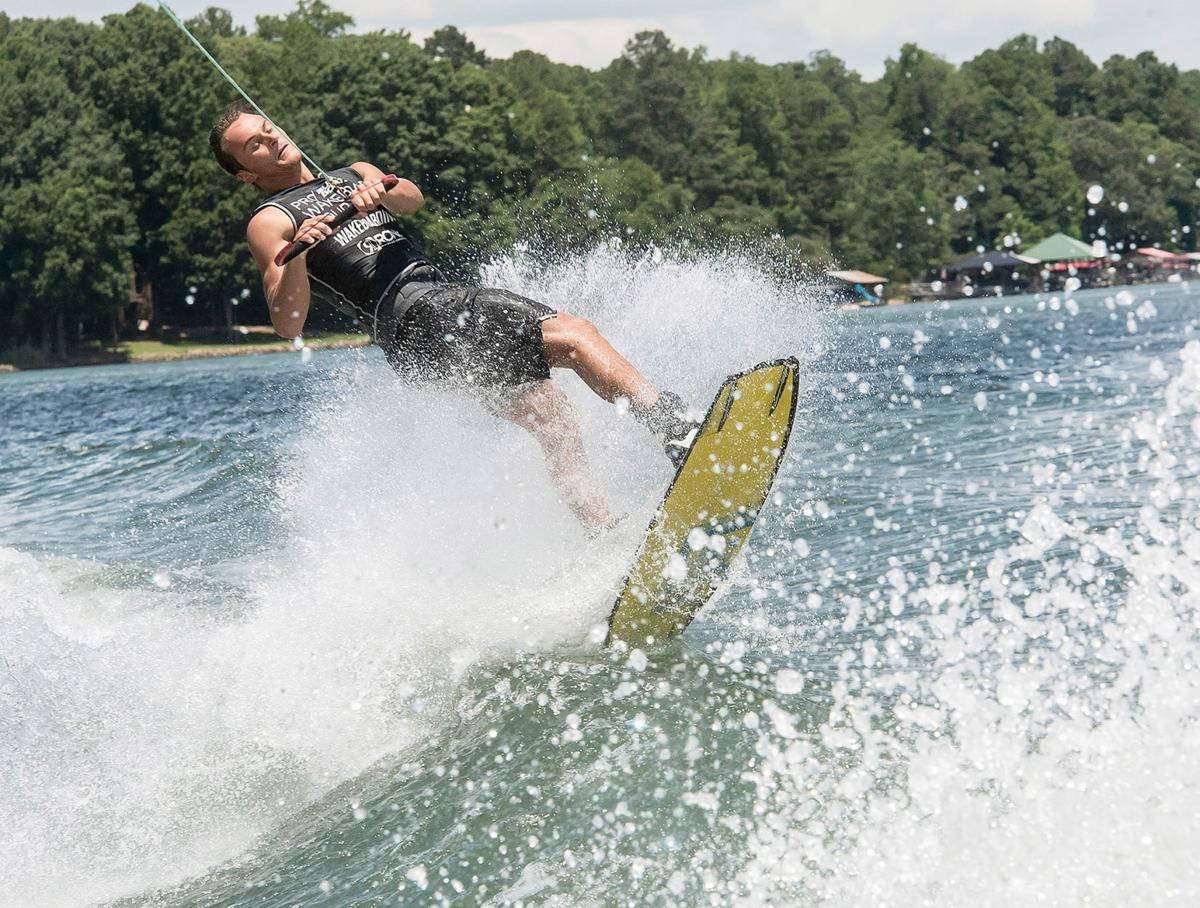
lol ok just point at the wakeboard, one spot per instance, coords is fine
(711, 505)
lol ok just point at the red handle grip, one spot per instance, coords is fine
(291, 250)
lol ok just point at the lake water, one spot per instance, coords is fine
(278, 631)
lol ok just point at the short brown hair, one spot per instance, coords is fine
(217, 134)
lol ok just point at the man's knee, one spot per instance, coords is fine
(567, 336)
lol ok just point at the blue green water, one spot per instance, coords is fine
(277, 630)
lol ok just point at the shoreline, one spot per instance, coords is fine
(190, 351)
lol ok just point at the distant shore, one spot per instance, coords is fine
(254, 340)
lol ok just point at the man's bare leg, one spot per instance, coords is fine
(544, 411)
(574, 343)
(571, 342)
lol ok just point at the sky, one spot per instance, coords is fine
(864, 33)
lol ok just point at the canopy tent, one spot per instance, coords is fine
(857, 277)
(1161, 254)
(859, 281)
(1061, 248)
(995, 259)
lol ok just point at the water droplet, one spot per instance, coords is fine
(418, 875)
(1095, 194)
(787, 681)
(960, 203)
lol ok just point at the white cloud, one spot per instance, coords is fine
(591, 42)
(862, 33)
(774, 31)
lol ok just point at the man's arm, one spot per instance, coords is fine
(286, 286)
(403, 198)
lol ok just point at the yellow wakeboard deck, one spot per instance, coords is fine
(711, 505)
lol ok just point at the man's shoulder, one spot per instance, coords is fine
(268, 219)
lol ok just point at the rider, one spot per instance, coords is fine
(494, 342)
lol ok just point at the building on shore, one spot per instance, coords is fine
(855, 288)
(994, 273)
(1148, 264)
(1064, 257)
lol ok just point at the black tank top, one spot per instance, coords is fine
(351, 269)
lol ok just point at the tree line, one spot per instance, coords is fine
(108, 185)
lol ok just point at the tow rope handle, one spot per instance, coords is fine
(291, 250)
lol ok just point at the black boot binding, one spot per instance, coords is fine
(669, 422)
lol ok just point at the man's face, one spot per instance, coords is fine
(259, 147)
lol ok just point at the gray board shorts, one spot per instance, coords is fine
(443, 334)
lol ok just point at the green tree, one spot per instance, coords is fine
(310, 19)
(651, 114)
(67, 227)
(1001, 135)
(915, 87)
(1147, 198)
(448, 43)
(604, 199)
(546, 117)
(1075, 78)
(891, 219)
(820, 127)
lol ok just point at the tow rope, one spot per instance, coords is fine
(316, 168)
(292, 249)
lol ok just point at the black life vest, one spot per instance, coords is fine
(351, 269)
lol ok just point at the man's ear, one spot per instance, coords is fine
(246, 176)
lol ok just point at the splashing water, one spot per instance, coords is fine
(297, 579)
(957, 666)
(1024, 734)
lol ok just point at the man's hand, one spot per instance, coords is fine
(313, 230)
(404, 198)
(368, 196)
